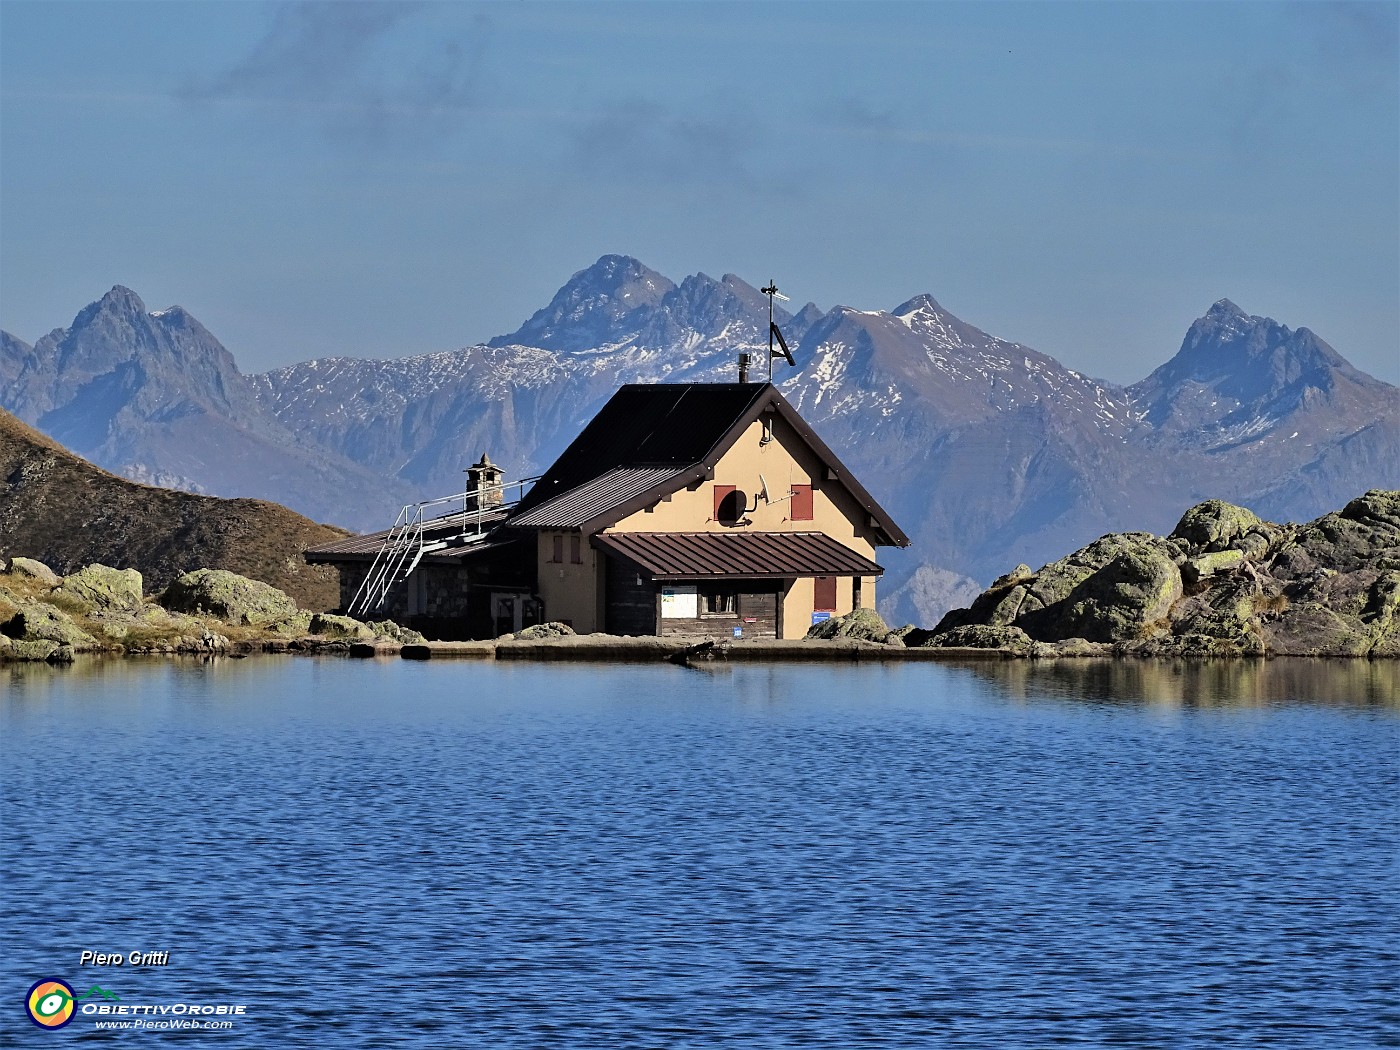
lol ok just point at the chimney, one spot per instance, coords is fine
(484, 484)
(744, 360)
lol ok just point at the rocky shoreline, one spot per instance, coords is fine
(1222, 584)
(52, 618)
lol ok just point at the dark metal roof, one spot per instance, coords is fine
(581, 505)
(647, 425)
(459, 535)
(735, 555)
(686, 427)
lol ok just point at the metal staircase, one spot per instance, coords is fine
(407, 542)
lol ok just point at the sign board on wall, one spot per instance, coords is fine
(680, 602)
(820, 617)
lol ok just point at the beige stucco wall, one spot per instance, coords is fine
(782, 462)
(800, 600)
(570, 592)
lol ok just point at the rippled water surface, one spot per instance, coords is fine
(386, 853)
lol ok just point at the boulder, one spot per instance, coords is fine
(859, 624)
(982, 636)
(1364, 534)
(538, 631)
(105, 588)
(36, 569)
(228, 596)
(1070, 647)
(1327, 588)
(36, 650)
(1311, 629)
(1214, 524)
(402, 635)
(39, 621)
(1210, 563)
(1127, 597)
(908, 635)
(1379, 509)
(1016, 575)
(341, 627)
(298, 624)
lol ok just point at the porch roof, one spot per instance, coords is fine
(735, 555)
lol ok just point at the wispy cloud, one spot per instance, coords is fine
(720, 147)
(1356, 36)
(1347, 48)
(356, 69)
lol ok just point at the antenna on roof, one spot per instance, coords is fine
(772, 292)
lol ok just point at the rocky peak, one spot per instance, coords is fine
(1241, 375)
(1229, 345)
(919, 305)
(121, 301)
(588, 311)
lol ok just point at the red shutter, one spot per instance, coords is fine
(824, 594)
(575, 548)
(721, 492)
(558, 547)
(802, 503)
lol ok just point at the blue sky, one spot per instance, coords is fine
(387, 179)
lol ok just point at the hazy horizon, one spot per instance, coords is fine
(382, 180)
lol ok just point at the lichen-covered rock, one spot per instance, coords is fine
(982, 636)
(1126, 597)
(38, 649)
(39, 621)
(1382, 615)
(554, 629)
(389, 629)
(298, 624)
(1379, 509)
(230, 597)
(103, 587)
(1016, 575)
(1212, 525)
(859, 625)
(341, 627)
(1070, 647)
(1210, 563)
(1310, 629)
(1364, 534)
(908, 635)
(36, 569)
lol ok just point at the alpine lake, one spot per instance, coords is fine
(987, 854)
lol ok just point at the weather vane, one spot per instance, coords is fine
(773, 332)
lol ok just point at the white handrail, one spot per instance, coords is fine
(403, 547)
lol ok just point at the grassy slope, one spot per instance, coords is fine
(62, 510)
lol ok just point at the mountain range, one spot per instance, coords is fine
(987, 452)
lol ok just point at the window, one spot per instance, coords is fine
(824, 594)
(575, 548)
(558, 554)
(802, 503)
(717, 603)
